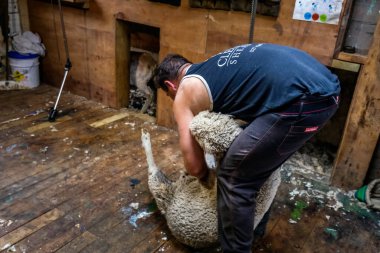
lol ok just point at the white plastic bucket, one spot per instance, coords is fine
(25, 69)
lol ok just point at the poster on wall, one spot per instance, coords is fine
(322, 11)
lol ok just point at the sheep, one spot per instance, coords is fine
(188, 205)
(141, 72)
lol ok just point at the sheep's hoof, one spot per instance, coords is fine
(145, 133)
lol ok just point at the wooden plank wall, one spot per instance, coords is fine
(195, 33)
(24, 14)
(363, 123)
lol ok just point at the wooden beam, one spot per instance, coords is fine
(346, 65)
(343, 24)
(122, 64)
(356, 58)
(108, 120)
(363, 123)
(24, 15)
(46, 124)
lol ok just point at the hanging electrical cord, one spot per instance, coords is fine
(252, 26)
(55, 30)
(6, 38)
(53, 111)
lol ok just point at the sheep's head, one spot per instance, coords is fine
(214, 131)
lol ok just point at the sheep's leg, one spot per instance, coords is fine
(266, 196)
(153, 170)
(149, 98)
(159, 185)
(145, 139)
(144, 72)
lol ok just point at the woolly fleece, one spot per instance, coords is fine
(190, 206)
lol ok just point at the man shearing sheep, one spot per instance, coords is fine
(285, 96)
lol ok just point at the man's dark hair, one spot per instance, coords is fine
(168, 69)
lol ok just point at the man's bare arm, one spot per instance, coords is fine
(191, 98)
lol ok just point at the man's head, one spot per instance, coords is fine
(168, 71)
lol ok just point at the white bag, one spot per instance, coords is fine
(28, 43)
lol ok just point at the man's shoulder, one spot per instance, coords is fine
(193, 91)
(190, 82)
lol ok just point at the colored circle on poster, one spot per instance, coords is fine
(323, 18)
(307, 15)
(315, 16)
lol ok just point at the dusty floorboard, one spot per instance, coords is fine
(74, 185)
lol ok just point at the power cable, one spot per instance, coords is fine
(252, 23)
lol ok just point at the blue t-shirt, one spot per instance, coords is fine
(249, 80)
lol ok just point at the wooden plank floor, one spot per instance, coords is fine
(80, 185)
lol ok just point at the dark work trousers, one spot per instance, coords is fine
(259, 150)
